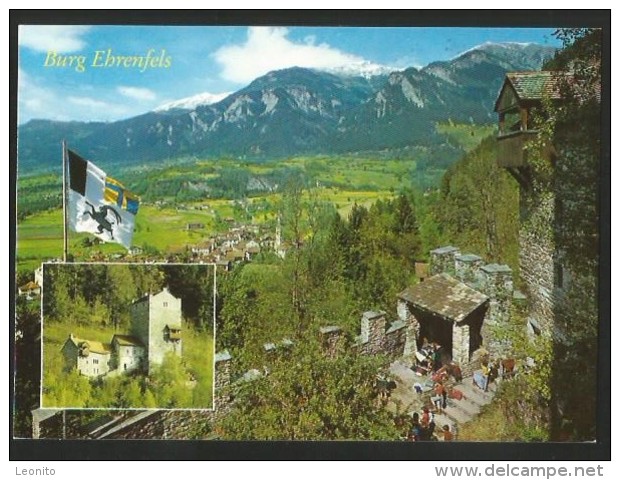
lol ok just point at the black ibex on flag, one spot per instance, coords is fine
(101, 217)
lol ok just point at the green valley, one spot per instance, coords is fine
(216, 193)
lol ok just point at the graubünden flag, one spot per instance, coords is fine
(98, 204)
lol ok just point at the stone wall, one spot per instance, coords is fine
(165, 309)
(412, 327)
(170, 424)
(395, 337)
(222, 369)
(460, 344)
(443, 260)
(47, 423)
(331, 339)
(376, 338)
(139, 315)
(498, 286)
(467, 268)
(373, 331)
(536, 251)
(146, 424)
(164, 425)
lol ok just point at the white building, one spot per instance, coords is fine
(156, 323)
(90, 358)
(155, 331)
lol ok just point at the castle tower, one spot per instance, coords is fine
(556, 161)
(156, 321)
(522, 94)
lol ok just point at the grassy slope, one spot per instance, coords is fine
(198, 354)
(465, 136)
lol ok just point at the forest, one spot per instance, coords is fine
(335, 269)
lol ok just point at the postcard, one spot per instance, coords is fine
(309, 233)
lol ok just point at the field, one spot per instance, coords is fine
(163, 227)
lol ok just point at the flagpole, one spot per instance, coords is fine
(64, 201)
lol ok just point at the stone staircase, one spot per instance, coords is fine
(456, 413)
(459, 412)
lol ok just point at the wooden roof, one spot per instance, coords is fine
(93, 346)
(445, 296)
(29, 286)
(531, 86)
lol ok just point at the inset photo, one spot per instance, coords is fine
(127, 336)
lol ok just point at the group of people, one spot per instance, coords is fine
(423, 428)
(428, 358)
(491, 370)
(428, 361)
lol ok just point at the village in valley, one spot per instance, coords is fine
(306, 307)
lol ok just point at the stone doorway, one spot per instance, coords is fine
(435, 329)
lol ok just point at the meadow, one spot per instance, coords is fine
(209, 192)
(162, 227)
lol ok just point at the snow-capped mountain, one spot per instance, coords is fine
(492, 45)
(191, 103)
(361, 69)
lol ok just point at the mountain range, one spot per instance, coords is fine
(297, 111)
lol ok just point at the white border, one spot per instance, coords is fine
(74, 409)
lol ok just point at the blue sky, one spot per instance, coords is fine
(213, 59)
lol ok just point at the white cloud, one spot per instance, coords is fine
(268, 48)
(87, 102)
(137, 93)
(35, 100)
(58, 38)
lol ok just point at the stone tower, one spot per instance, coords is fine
(556, 160)
(156, 321)
(539, 260)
